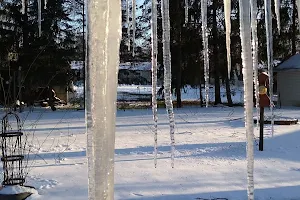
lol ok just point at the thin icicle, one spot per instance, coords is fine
(133, 26)
(298, 8)
(45, 4)
(167, 72)
(205, 48)
(245, 34)
(186, 11)
(23, 6)
(268, 22)
(40, 17)
(255, 54)
(154, 74)
(128, 23)
(277, 11)
(227, 11)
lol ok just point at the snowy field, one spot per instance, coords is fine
(188, 93)
(210, 156)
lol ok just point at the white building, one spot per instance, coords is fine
(288, 81)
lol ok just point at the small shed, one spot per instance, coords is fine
(288, 81)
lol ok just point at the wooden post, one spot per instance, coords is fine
(261, 129)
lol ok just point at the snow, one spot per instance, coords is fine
(210, 158)
(16, 189)
(141, 66)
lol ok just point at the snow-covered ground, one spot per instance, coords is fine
(210, 156)
(143, 92)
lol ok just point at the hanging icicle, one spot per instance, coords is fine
(277, 11)
(167, 72)
(205, 48)
(133, 26)
(45, 4)
(186, 11)
(128, 23)
(104, 25)
(227, 11)
(40, 17)
(255, 54)
(268, 22)
(154, 75)
(245, 34)
(298, 8)
(23, 6)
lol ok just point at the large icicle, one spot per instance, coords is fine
(277, 11)
(255, 54)
(154, 74)
(103, 40)
(167, 72)
(133, 26)
(40, 17)
(205, 48)
(45, 4)
(245, 34)
(23, 6)
(186, 11)
(268, 22)
(227, 11)
(128, 23)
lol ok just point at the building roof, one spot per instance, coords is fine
(293, 63)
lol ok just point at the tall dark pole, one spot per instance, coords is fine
(261, 130)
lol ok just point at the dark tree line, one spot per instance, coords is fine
(44, 60)
(186, 41)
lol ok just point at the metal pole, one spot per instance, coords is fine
(261, 130)
(103, 42)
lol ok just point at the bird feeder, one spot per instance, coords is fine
(264, 101)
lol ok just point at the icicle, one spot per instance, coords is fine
(277, 11)
(40, 17)
(45, 4)
(23, 6)
(154, 74)
(133, 27)
(128, 23)
(104, 24)
(268, 22)
(245, 34)
(167, 72)
(186, 9)
(227, 11)
(255, 54)
(298, 8)
(205, 48)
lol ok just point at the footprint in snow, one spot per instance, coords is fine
(140, 195)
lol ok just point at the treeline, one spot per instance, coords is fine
(44, 59)
(186, 41)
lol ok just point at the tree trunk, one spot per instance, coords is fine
(294, 29)
(200, 90)
(228, 91)
(215, 55)
(178, 60)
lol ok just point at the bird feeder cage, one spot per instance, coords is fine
(12, 150)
